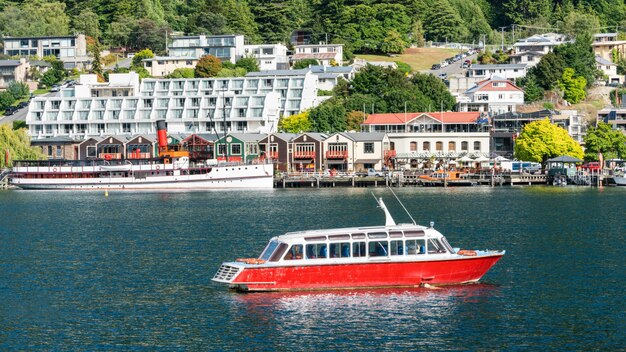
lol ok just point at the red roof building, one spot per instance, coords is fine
(426, 122)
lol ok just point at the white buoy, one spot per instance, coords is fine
(106, 192)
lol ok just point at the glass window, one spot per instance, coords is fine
(358, 249)
(269, 249)
(340, 250)
(414, 247)
(368, 148)
(278, 253)
(463, 145)
(294, 253)
(476, 145)
(434, 246)
(413, 147)
(397, 247)
(235, 149)
(439, 146)
(426, 146)
(316, 251)
(378, 248)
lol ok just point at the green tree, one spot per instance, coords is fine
(436, 91)
(579, 23)
(248, 63)
(17, 143)
(208, 66)
(140, 56)
(443, 23)
(296, 123)
(6, 100)
(548, 71)
(232, 72)
(542, 140)
(35, 18)
(354, 119)
(523, 11)
(393, 43)
(149, 34)
(330, 116)
(532, 91)
(305, 64)
(573, 87)
(51, 77)
(579, 56)
(119, 31)
(182, 73)
(603, 139)
(87, 23)
(18, 90)
(96, 64)
(19, 124)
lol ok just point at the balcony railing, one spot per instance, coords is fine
(337, 154)
(139, 155)
(304, 154)
(110, 156)
(390, 154)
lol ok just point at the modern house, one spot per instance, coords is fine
(494, 95)
(72, 50)
(530, 50)
(604, 44)
(160, 66)
(325, 54)
(616, 117)
(507, 126)
(275, 147)
(13, 71)
(506, 71)
(268, 56)
(225, 47)
(609, 69)
(307, 152)
(329, 76)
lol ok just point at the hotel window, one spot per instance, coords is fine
(464, 146)
(476, 145)
(426, 146)
(368, 148)
(59, 153)
(378, 248)
(235, 149)
(126, 127)
(439, 146)
(452, 146)
(413, 146)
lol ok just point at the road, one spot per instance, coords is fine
(20, 115)
(454, 68)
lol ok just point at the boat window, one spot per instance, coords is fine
(340, 250)
(447, 245)
(397, 247)
(358, 249)
(434, 246)
(294, 253)
(316, 251)
(318, 238)
(358, 236)
(377, 235)
(378, 248)
(278, 253)
(413, 233)
(339, 237)
(269, 250)
(415, 247)
(395, 234)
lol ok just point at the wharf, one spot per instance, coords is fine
(4, 179)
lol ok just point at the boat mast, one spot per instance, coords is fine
(388, 218)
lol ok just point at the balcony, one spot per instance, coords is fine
(110, 156)
(139, 155)
(304, 154)
(337, 154)
(270, 155)
(390, 154)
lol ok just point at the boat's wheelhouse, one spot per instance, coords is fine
(357, 245)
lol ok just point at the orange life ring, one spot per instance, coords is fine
(250, 260)
(108, 157)
(54, 169)
(158, 167)
(467, 252)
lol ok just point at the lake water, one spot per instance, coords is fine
(81, 271)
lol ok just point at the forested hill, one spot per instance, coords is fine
(365, 25)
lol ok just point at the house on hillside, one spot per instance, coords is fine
(530, 50)
(609, 69)
(268, 56)
(494, 95)
(160, 66)
(604, 44)
(325, 54)
(71, 50)
(229, 47)
(506, 71)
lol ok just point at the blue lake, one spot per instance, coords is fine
(131, 271)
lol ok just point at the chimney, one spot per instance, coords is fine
(162, 135)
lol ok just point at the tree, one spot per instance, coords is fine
(579, 56)
(182, 73)
(87, 23)
(148, 34)
(119, 31)
(541, 140)
(6, 100)
(234, 72)
(573, 87)
(436, 91)
(354, 119)
(140, 56)
(17, 144)
(249, 64)
(443, 23)
(35, 18)
(532, 91)
(330, 116)
(577, 23)
(18, 90)
(51, 77)
(96, 64)
(208, 66)
(393, 43)
(548, 71)
(603, 139)
(300, 64)
(297, 123)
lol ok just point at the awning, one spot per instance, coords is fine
(336, 162)
(367, 161)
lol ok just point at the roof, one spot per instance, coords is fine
(284, 136)
(331, 69)
(602, 61)
(598, 35)
(9, 63)
(486, 86)
(527, 53)
(495, 67)
(247, 137)
(300, 72)
(315, 135)
(364, 136)
(171, 58)
(58, 139)
(402, 118)
(321, 56)
(564, 159)
(316, 45)
(42, 37)
(39, 63)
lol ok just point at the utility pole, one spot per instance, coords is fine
(514, 33)
(166, 42)
(502, 31)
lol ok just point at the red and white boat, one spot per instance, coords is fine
(404, 255)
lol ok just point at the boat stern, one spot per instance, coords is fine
(228, 272)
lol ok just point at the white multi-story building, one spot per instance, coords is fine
(506, 71)
(325, 54)
(72, 50)
(268, 56)
(495, 95)
(160, 66)
(530, 50)
(225, 47)
(240, 104)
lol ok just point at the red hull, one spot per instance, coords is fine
(361, 275)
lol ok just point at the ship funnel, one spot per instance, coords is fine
(388, 218)
(161, 135)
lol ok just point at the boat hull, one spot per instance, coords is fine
(620, 181)
(369, 274)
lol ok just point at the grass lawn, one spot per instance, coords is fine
(41, 91)
(418, 58)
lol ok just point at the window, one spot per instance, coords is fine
(464, 146)
(397, 247)
(413, 147)
(368, 148)
(294, 253)
(271, 247)
(452, 146)
(426, 146)
(221, 149)
(59, 151)
(378, 248)
(91, 151)
(439, 146)
(235, 149)
(434, 246)
(414, 247)
(476, 145)
(358, 249)
(340, 250)
(278, 253)
(316, 251)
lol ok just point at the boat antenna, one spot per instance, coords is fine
(388, 218)
(403, 207)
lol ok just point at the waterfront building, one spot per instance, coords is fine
(201, 146)
(250, 104)
(228, 47)
(424, 135)
(160, 66)
(72, 50)
(240, 147)
(605, 43)
(348, 151)
(325, 54)
(275, 147)
(506, 71)
(495, 96)
(58, 147)
(269, 56)
(307, 152)
(616, 117)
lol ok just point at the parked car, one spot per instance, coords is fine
(55, 88)
(10, 110)
(592, 166)
(466, 64)
(22, 105)
(442, 75)
(443, 64)
(435, 67)
(371, 173)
